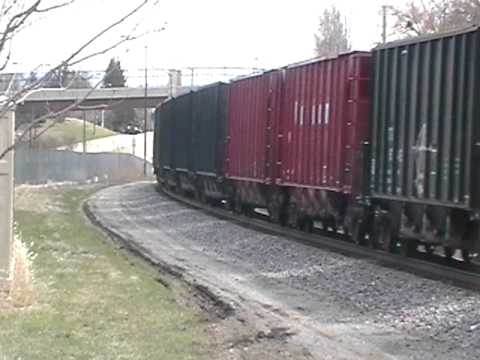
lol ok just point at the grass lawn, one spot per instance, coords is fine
(91, 302)
(70, 132)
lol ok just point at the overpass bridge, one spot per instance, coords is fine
(45, 100)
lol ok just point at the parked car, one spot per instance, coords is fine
(132, 130)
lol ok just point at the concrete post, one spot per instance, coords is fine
(174, 81)
(7, 130)
(84, 132)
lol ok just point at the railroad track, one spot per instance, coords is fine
(456, 274)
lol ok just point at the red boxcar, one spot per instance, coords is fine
(295, 139)
(323, 124)
(254, 107)
(324, 121)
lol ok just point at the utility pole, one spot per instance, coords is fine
(84, 132)
(95, 120)
(145, 113)
(384, 23)
(30, 136)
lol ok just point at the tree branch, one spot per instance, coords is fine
(114, 46)
(49, 115)
(55, 7)
(20, 95)
(18, 20)
(103, 32)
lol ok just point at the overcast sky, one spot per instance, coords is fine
(247, 33)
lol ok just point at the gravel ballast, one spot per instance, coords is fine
(379, 312)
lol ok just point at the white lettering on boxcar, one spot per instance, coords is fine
(327, 113)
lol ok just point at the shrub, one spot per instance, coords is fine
(21, 273)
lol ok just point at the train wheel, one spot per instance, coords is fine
(359, 230)
(203, 197)
(429, 249)
(307, 225)
(238, 204)
(448, 252)
(178, 186)
(228, 205)
(383, 237)
(197, 195)
(329, 225)
(466, 256)
(293, 217)
(407, 246)
(276, 209)
(276, 213)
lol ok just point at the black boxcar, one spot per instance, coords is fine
(209, 104)
(156, 143)
(182, 133)
(208, 140)
(189, 142)
(424, 177)
(180, 142)
(162, 154)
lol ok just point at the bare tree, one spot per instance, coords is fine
(16, 15)
(332, 36)
(421, 17)
(464, 13)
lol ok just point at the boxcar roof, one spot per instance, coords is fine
(317, 59)
(252, 75)
(426, 38)
(192, 90)
(208, 86)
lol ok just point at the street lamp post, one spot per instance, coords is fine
(384, 23)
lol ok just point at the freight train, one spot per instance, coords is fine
(383, 146)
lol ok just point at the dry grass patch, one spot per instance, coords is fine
(90, 302)
(39, 199)
(21, 287)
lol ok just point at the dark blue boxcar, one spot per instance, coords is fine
(190, 134)
(182, 133)
(209, 118)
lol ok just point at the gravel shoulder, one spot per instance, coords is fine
(301, 301)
